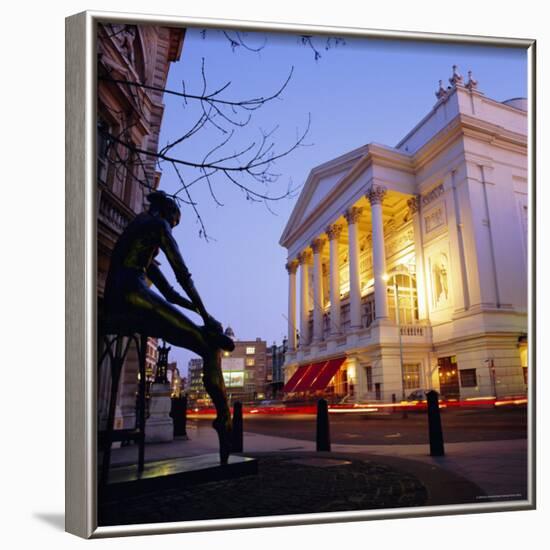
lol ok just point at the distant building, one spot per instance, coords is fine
(177, 383)
(275, 373)
(413, 259)
(195, 387)
(245, 369)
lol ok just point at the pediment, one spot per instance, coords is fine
(319, 185)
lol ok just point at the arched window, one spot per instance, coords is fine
(402, 290)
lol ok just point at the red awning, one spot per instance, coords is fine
(326, 374)
(309, 376)
(290, 386)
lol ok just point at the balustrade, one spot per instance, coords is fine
(113, 212)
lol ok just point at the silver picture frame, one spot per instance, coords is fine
(81, 267)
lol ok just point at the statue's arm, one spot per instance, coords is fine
(166, 289)
(170, 248)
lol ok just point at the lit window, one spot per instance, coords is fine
(369, 377)
(250, 350)
(411, 377)
(468, 378)
(250, 361)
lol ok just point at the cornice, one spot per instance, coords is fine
(493, 133)
(466, 125)
(460, 126)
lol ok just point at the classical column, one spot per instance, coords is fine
(333, 233)
(304, 259)
(292, 267)
(376, 196)
(352, 217)
(317, 246)
(414, 209)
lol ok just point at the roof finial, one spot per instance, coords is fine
(472, 82)
(442, 92)
(456, 78)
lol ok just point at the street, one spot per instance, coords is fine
(459, 425)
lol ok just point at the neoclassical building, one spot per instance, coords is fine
(408, 265)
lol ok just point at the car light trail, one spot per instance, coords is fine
(358, 408)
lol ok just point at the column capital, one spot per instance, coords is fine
(334, 231)
(414, 204)
(292, 266)
(353, 214)
(304, 258)
(376, 194)
(317, 244)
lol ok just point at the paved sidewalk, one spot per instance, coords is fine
(286, 483)
(498, 468)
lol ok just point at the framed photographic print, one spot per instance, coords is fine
(300, 274)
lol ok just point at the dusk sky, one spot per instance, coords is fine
(363, 91)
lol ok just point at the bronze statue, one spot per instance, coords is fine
(128, 297)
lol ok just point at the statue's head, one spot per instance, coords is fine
(164, 206)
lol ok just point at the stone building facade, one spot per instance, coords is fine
(195, 387)
(128, 57)
(245, 369)
(275, 371)
(410, 263)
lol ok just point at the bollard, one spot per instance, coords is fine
(323, 427)
(237, 439)
(178, 412)
(434, 424)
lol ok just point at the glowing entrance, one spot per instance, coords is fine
(448, 377)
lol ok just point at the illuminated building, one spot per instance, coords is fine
(409, 263)
(244, 369)
(195, 387)
(275, 375)
(177, 383)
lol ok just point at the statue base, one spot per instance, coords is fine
(159, 427)
(126, 481)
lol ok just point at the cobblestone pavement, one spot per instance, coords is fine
(288, 483)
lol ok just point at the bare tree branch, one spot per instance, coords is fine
(245, 167)
(258, 160)
(250, 104)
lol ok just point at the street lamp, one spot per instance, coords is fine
(492, 374)
(162, 364)
(398, 321)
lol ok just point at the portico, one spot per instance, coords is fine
(344, 275)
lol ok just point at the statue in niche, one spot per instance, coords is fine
(126, 40)
(440, 280)
(138, 309)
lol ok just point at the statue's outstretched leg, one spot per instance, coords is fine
(215, 386)
(156, 317)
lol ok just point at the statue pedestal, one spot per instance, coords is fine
(126, 481)
(159, 427)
